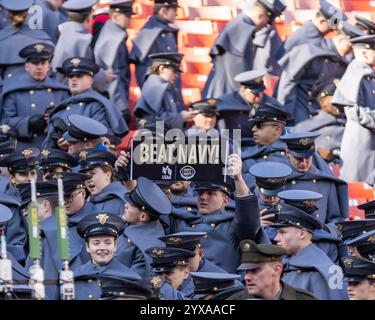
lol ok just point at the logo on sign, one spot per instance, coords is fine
(187, 172)
(166, 173)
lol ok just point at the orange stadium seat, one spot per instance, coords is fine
(361, 190)
(354, 212)
(197, 67)
(195, 26)
(359, 5)
(223, 13)
(270, 83)
(191, 95)
(192, 80)
(143, 9)
(198, 40)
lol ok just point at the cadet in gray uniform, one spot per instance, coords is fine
(112, 54)
(29, 98)
(356, 91)
(233, 51)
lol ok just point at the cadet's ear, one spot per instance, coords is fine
(186, 273)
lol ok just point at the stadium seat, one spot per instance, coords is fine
(191, 95)
(192, 80)
(359, 5)
(270, 82)
(215, 13)
(354, 212)
(137, 23)
(361, 190)
(195, 26)
(198, 40)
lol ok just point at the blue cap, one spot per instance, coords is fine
(122, 6)
(172, 59)
(369, 208)
(184, 240)
(72, 180)
(166, 259)
(81, 128)
(120, 288)
(329, 11)
(350, 30)
(100, 224)
(364, 42)
(357, 269)
(56, 158)
(291, 216)
(352, 228)
(17, 5)
(21, 160)
(252, 80)
(270, 176)
(273, 8)
(83, 6)
(365, 243)
(301, 144)
(213, 282)
(365, 24)
(207, 107)
(302, 199)
(43, 188)
(37, 52)
(92, 158)
(148, 197)
(226, 187)
(269, 112)
(5, 215)
(79, 66)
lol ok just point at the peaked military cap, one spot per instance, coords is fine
(365, 243)
(81, 128)
(92, 158)
(253, 254)
(5, 215)
(172, 59)
(225, 186)
(55, 158)
(365, 42)
(291, 216)
(269, 112)
(21, 160)
(302, 199)
(43, 189)
(207, 107)
(7, 146)
(184, 240)
(120, 288)
(369, 208)
(72, 180)
(166, 259)
(155, 284)
(353, 228)
(270, 176)
(167, 3)
(365, 24)
(122, 6)
(100, 224)
(301, 144)
(350, 30)
(82, 6)
(79, 66)
(213, 282)
(273, 8)
(252, 80)
(17, 5)
(37, 52)
(329, 11)
(148, 197)
(357, 269)
(324, 87)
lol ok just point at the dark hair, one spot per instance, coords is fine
(52, 199)
(18, 18)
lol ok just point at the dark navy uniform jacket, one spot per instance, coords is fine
(90, 104)
(111, 199)
(156, 36)
(301, 67)
(24, 97)
(225, 229)
(232, 53)
(11, 42)
(133, 243)
(312, 271)
(87, 278)
(159, 102)
(112, 54)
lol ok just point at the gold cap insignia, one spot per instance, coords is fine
(83, 155)
(309, 203)
(27, 153)
(75, 62)
(246, 247)
(158, 252)
(175, 240)
(39, 48)
(211, 102)
(102, 218)
(57, 176)
(155, 282)
(371, 239)
(275, 181)
(142, 123)
(305, 141)
(348, 263)
(45, 153)
(258, 80)
(4, 128)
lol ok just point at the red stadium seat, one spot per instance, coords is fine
(137, 23)
(361, 190)
(198, 40)
(191, 95)
(223, 13)
(197, 67)
(195, 26)
(270, 83)
(192, 80)
(358, 5)
(354, 212)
